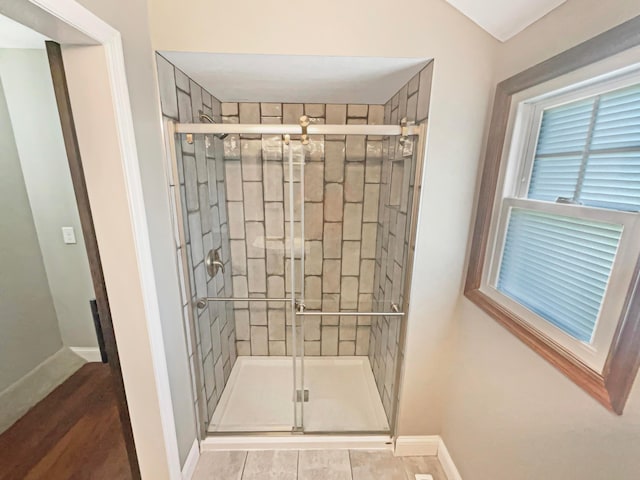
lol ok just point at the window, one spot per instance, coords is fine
(566, 221)
(556, 247)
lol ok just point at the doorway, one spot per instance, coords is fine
(71, 387)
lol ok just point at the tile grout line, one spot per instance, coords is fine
(244, 464)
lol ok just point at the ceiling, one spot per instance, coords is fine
(505, 18)
(297, 78)
(16, 35)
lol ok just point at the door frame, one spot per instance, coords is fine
(165, 451)
(63, 101)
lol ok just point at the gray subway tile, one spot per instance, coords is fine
(291, 113)
(371, 199)
(355, 148)
(329, 342)
(314, 110)
(332, 240)
(352, 221)
(253, 201)
(362, 340)
(333, 201)
(276, 324)
(274, 220)
(251, 153)
(313, 258)
(249, 112)
(349, 293)
(236, 220)
(191, 183)
(229, 109)
(334, 152)
(243, 348)
(259, 342)
(277, 348)
(273, 182)
(336, 114)
(167, 84)
(351, 258)
(347, 348)
(233, 180)
(271, 109)
(313, 292)
(376, 115)
(256, 275)
(242, 325)
(354, 183)
(314, 182)
(331, 276)
(255, 239)
(369, 233)
(313, 221)
(348, 328)
(258, 313)
(357, 111)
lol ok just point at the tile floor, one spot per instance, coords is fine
(314, 465)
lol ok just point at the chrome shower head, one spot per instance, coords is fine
(207, 118)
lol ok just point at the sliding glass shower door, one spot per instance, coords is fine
(295, 257)
(352, 194)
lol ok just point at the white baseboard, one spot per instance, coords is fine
(427, 445)
(90, 354)
(19, 397)
(417, 445)
(447, 462)
(192, 460)
(297, 442)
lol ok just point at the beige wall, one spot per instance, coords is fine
(28, 325)
(34, 116)
(98, 141)
(131, 19)
(509, 414)
(463, 78)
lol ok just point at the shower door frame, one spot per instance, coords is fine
(173, 128)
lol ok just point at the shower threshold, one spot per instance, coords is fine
(342, 397)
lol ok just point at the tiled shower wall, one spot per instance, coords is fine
(204, 211)
(393, 255)
(341, 191)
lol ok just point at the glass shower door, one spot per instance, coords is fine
(295, 270)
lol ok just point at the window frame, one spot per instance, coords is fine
(609, 376)
(521, 140)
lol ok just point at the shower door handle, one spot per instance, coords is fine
(214, 263)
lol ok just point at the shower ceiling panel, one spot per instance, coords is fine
(297, 78)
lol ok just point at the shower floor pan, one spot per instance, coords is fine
(342, 396)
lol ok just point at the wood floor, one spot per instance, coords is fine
(73, 434)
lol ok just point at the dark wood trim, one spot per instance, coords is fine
(63, 101)
(611, 387)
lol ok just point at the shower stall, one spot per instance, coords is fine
(294, 230)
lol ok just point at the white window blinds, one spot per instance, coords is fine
(558, 267)
(588, 152)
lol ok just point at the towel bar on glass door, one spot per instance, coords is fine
(351, 314)
(202, 302)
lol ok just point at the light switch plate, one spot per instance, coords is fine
(68, 235)
(424, 476)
